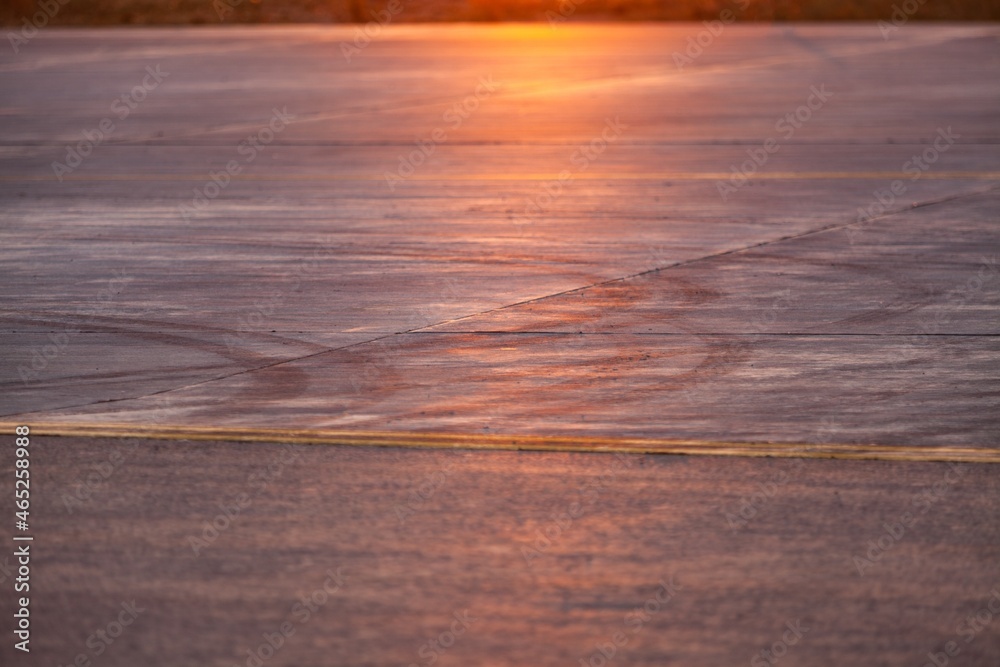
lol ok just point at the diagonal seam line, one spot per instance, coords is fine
(537, 443)
(724, 253)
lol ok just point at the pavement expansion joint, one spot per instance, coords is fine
(541, 443)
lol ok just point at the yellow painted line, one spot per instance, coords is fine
(541, 443)
(585, 176)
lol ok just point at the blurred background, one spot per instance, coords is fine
(124, 12)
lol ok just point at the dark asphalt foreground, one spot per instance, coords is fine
(549, 553)
(515, 231)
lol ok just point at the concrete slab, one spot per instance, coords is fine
(326, 248)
